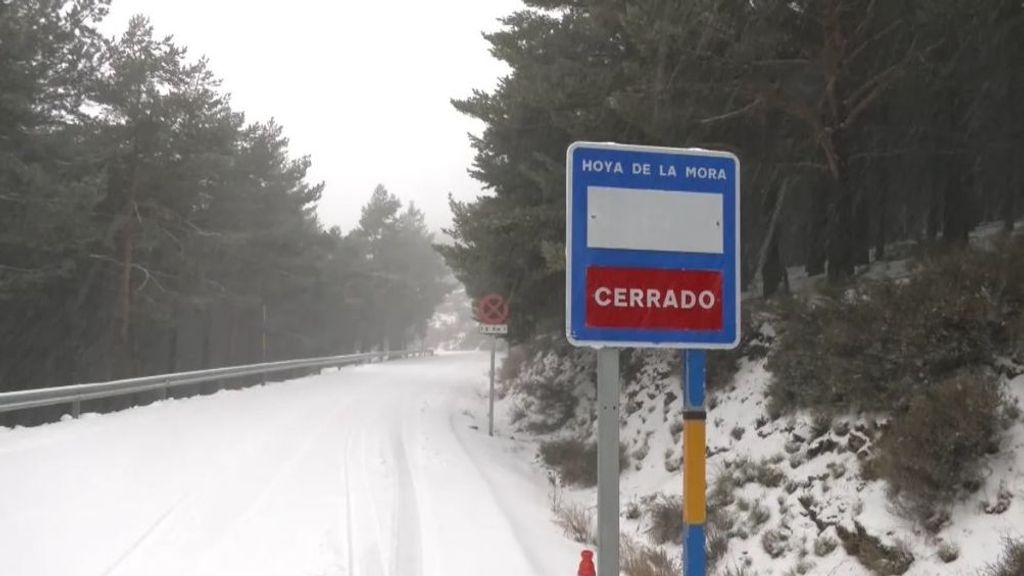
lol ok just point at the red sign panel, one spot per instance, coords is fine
(492, 309)
(653, 299)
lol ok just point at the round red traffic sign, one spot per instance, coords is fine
(492, 309)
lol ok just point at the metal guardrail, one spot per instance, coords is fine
(78, 393)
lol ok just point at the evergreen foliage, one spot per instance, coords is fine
(147, 227)
(858, 123)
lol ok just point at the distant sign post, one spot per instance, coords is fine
(652, 245)
(492, 313)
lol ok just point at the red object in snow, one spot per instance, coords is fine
(587, 564)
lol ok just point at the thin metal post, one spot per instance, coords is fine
(490, 404)
(608, 462)
(76, 408)
(694, 464)
(263, 351)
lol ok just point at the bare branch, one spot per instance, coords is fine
(783, 62)
(18, 269)
(868, 16)
(871, 86)
(867, 101)
(181, 247)
(149, 275)
(199, 230)
(865, 44)
(739, 112)
(777, 98)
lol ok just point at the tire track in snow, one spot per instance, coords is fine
(485, 475)
(272, 483)
(141, 540)
(408, 544)
(371, 535)
(350, 547)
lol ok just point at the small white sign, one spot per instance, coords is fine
(657, 220)
(494, 328)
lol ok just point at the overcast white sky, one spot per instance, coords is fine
(362, 87)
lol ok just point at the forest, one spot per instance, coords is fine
(859, 124)
(147, 227)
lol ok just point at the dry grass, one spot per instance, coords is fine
(576, 522)
(666, 519)
(1011, 563)
(638, 559)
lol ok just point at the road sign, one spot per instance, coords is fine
(652, 239)
(492, 309)
(492, 312)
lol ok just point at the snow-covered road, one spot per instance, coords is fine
(378, 470)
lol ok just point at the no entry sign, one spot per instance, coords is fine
(652, 243)
(492, 309)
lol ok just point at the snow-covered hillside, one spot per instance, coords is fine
(789, 494)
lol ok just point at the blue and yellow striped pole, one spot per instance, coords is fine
(694, 464)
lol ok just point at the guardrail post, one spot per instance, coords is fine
(163, 389)
(76, 408)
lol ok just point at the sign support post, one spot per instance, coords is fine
(608, 462)
(694, 464)
(490, 403)
(492, 312)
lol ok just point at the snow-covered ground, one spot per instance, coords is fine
(378, 470)
(788, 520)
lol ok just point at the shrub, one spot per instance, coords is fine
(775, 542)
(719, 523)
(575, 461)
(550, 387)
(514, 362)
(879, 346)
(666, 519)
(1011, 563)
(759, 515)
(576, 522)
(721, 366)
(948, 552)
(928, 453)
(824, 545)
(764, 472)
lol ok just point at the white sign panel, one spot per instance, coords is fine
(630, 219)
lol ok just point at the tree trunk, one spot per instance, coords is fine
(207, 352)
(841, 225)
(770, 260)
(955, 222)
(172, 344)
(817, 224)
(880, 231)
(121, 357)
(1008, 209)
(934, 203)
(862, 230)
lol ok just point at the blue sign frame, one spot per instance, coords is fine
(580, 256)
